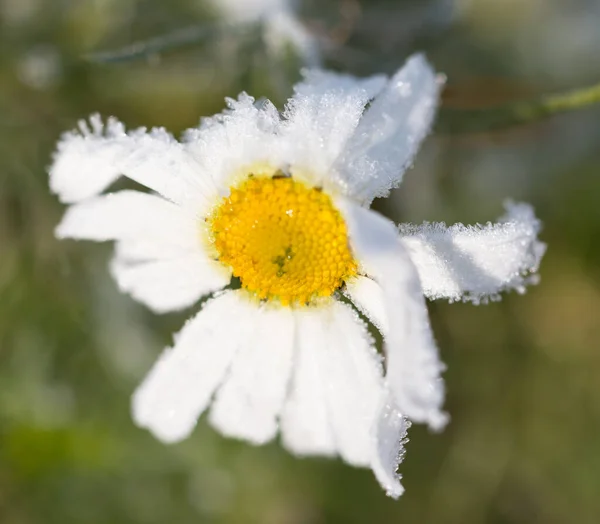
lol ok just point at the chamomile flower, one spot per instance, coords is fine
(280, 201)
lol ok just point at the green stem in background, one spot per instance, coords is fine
(454, 121)
(181, 38)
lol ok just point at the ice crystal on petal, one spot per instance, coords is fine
(476, 263)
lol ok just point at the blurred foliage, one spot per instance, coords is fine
(513, 114)
(523, 390)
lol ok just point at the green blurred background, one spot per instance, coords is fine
(523, 375)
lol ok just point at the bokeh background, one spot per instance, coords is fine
(523, 375)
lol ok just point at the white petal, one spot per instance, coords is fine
(131, 216)
(389, 133)
(321, 116)
(248, 404)
(342, 404)
(413, 365)
(178, 388)
(85, 160)
(88, 161)
(305, 423)
(354, 393)
(160, 259)
(170, 284)
(367, 296)
(474, 263)
(229, 145)
(390, 436)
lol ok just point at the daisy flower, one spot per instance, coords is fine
(281, 203)
(281, 27)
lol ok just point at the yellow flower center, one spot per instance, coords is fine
(284, 240)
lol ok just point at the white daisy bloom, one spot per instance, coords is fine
(280, 201)
(282, 28)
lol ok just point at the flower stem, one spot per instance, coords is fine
(454, 121)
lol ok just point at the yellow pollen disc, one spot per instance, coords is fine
(284, 240)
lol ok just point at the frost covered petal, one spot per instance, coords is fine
(390, 437)
(389, 133)
(413, 365)
(179, 386)
(87, 161)
(131, 215)
(159, 259)
(336, 387)
(169, 284)
(475, 263)
(338, 401)
(354, 385)
(367, 296)
(305, 424)
(227, 144)
(321, 117)
(248, 404)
